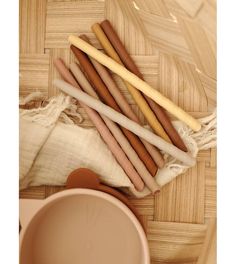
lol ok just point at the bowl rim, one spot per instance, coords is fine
(78, 191)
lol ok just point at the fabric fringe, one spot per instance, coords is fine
(35, 96)
(60, 106)
(195, 141)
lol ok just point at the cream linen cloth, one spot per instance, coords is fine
(52, 146)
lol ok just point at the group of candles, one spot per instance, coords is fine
(135, 148)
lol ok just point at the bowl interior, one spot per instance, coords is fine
(81, 228)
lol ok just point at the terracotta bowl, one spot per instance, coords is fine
(81, 226)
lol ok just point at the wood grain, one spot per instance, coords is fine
(191, 7)
(66, 18)
(175, 242)
(208, 252)
(182, 200)
(32, 26)
(34, 73)
(210, 193)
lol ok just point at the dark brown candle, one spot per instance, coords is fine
(107, 98)
(129, 63)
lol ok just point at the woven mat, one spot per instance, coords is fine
(174, 44)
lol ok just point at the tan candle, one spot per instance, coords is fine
(137, 96)
(112, 36)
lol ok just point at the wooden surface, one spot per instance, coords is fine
(174, 44)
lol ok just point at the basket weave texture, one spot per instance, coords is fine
(173, 43)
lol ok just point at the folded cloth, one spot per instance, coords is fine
(52, 145)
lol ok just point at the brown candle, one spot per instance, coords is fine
(129, 63)
(105, 95)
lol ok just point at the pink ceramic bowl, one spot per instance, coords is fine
(80, 226)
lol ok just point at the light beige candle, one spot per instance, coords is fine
(126, 122)
(136, 82)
